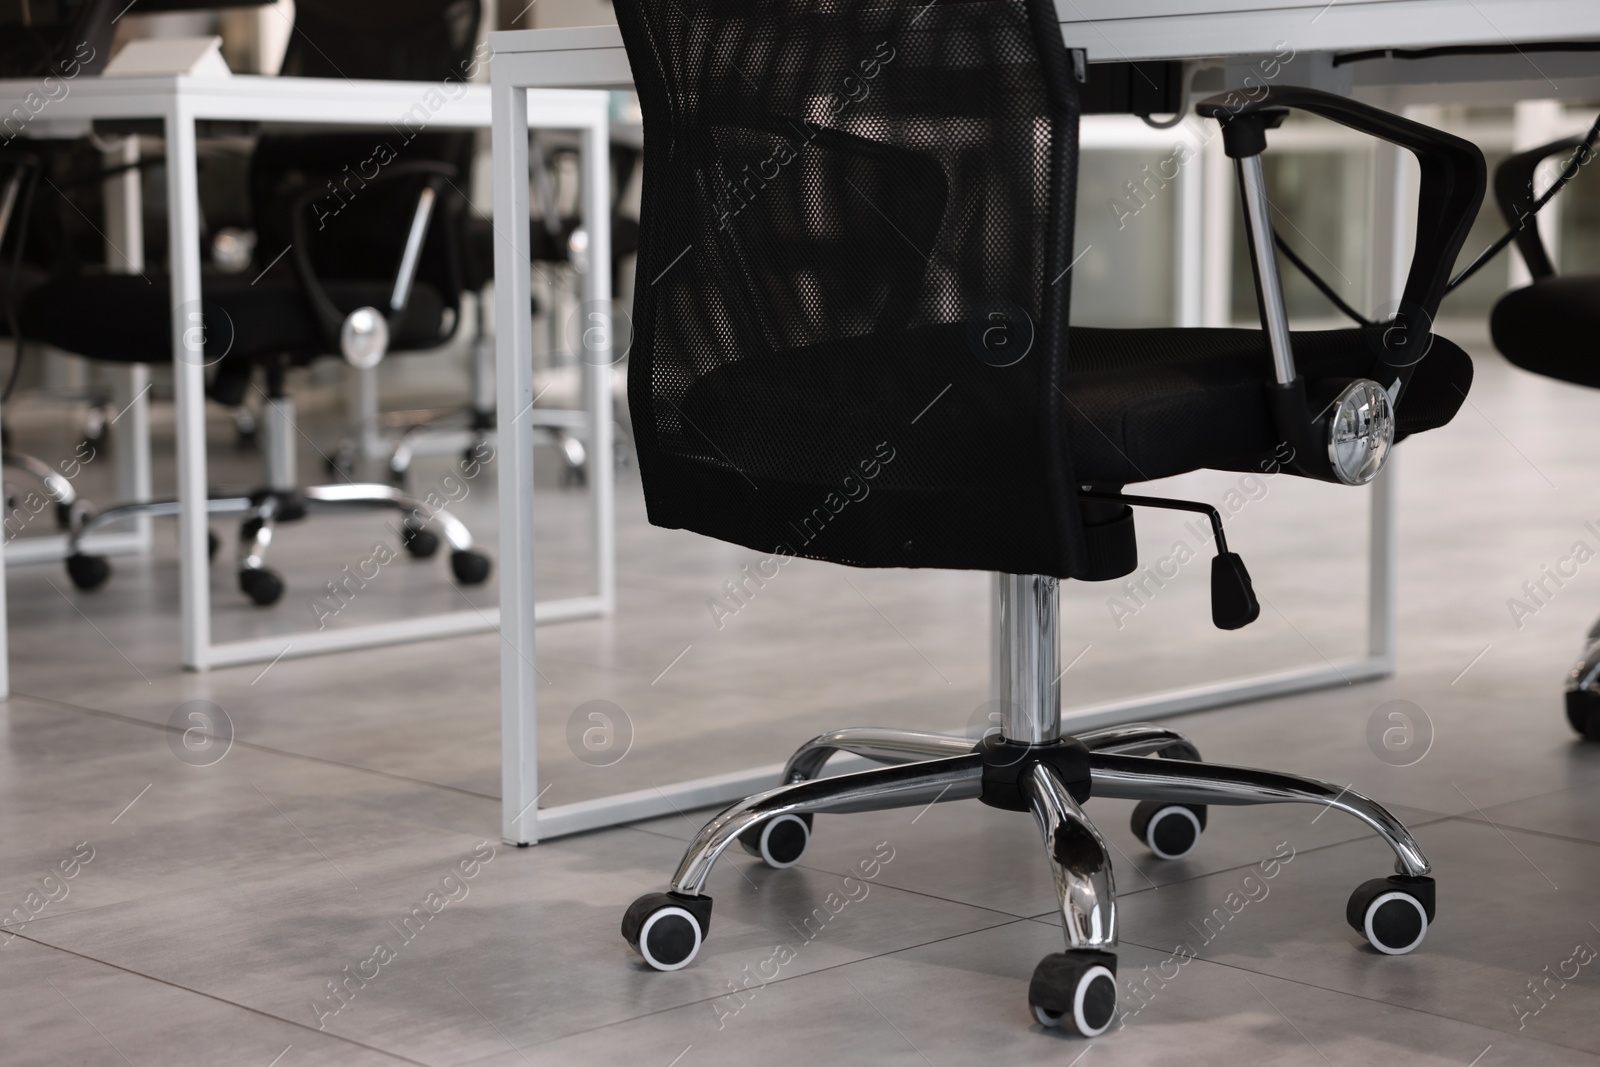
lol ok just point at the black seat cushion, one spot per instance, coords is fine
(1550, 328)
(125, 319)
(1140, 404)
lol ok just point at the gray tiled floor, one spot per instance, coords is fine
(220, 900)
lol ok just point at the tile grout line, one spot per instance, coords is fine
(134, 720)
(214, 997)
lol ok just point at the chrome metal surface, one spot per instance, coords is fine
(1140, 739)
(57, 487)
(364, 341)
(882, 745)
(1030, 683)
(957, 778)
(374, 495)
(413, 252)
(253, 549)
(157, 509)
(8, 199)
(1179, 782)
(1258, 229)
(1079, 861)
(279, 429)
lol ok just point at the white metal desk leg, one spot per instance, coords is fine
(188, 373)
(519, 748)
(1391, 253)
(595, 347)
(1383, 569)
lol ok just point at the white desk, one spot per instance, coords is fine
(1109, 30)
(392, 107)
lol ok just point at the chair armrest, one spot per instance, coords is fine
(329, 317)
(1513, 191)
(1454, 177)
(1453, 180)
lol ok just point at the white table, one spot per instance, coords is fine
(180, 101)
(1221, 48)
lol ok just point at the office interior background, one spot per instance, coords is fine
(300, 857)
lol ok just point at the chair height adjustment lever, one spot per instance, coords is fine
(1233, 597)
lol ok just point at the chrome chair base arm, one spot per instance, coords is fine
(220, 505)
(1175, 782)
(255, 535)
(885, 746)
(56, 486)
(911, 785)
(1079, 859)
(374, 495)
(1140, 739)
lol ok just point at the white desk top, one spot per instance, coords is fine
(292, 101)
(1190, 29)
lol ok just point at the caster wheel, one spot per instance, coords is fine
(667, 929)
(1583, 712)
(213, 543)
(1076, 991)
(88, 572)
(419, 543)
(471, 568)
(778, 842)
(1169, 830)
(262, 586)
(1392, 913)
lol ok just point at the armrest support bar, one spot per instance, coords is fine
(1513, 191)
(1453, 181)
(413, 253)
(329, 316)
(1264, 262)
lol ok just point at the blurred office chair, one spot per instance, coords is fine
(363, 267)
(554, 237)
(863, 356)
(1549, 328)
(54, 43)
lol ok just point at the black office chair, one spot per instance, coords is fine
(55, 44)
(863, 356)
(1549, 328)
(551, 240)
(359, 254)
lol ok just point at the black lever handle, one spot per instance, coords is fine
(1233, 597)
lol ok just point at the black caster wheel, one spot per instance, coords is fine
(1169, 830)
(471, 568)
(262, 586)
(667, 929)
(213, 543)
(778, 842)
(1076, 991)
(88, 572)
(1583, 712)
(1392, 913)
(419, 543)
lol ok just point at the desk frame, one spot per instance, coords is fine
(180, 101)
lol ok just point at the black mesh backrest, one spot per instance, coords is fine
(60, 39)
(857, 217)
(429, 41)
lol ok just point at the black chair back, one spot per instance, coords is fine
(60, 39)
(850, 326)
(429, 41)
